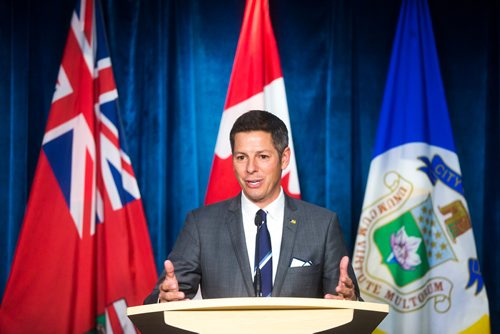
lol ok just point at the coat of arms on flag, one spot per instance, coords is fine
(415, 247)
(414, 242)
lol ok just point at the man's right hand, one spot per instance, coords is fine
(169, 288)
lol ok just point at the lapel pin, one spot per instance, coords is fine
(293, 221)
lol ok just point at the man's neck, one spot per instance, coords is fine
(248, 202)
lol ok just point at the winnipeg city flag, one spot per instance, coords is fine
(415, 247)
(256, 83)
(84, 253)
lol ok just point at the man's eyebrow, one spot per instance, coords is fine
(239, 152)
(257, 152)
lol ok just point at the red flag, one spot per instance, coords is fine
(256, 83)
(84, 252)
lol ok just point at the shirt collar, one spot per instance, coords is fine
(250, 208)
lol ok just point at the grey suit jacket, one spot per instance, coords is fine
(211, 251)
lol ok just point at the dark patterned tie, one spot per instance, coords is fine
(263, 280)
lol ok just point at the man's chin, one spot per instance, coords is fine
(253, 196)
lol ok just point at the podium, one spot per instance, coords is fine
(258, 315)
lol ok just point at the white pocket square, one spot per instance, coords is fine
(299, 263)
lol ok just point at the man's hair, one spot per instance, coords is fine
(260, 120)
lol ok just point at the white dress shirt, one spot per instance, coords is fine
(275, 214)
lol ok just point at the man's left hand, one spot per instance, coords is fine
(345, 288)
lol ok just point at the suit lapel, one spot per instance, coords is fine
(291, 220)
(234, 222)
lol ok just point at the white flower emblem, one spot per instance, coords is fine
(404, 249)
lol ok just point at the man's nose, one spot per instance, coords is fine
(251, 166)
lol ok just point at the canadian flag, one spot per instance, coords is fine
(256, 83)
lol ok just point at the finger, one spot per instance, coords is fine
(171, 296)
(340, 290)
(330, 296)
(344, 264)
(346, 293)
(169, 284)
(169, 269)
(347, 282)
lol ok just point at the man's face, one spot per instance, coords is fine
(258, 167)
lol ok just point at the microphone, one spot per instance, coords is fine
(257, 280)
(258, 219)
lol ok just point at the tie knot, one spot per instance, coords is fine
(260, 218)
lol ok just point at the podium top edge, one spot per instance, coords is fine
(252, 303)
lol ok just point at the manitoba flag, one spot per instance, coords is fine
(256, 83)
(415, 248)
(84, 253)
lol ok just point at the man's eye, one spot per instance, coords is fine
(240, 157)
(264, 156)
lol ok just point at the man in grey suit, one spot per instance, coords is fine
(215, 249)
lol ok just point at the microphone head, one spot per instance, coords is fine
(258, 218)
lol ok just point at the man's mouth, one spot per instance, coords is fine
(253, 183)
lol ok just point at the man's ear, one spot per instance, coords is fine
(285, 158)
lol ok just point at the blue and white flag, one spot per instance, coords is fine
(415, 248)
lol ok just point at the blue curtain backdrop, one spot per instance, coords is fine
(172, 61)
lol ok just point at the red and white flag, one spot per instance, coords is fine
(84, 252)
(256, 83)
